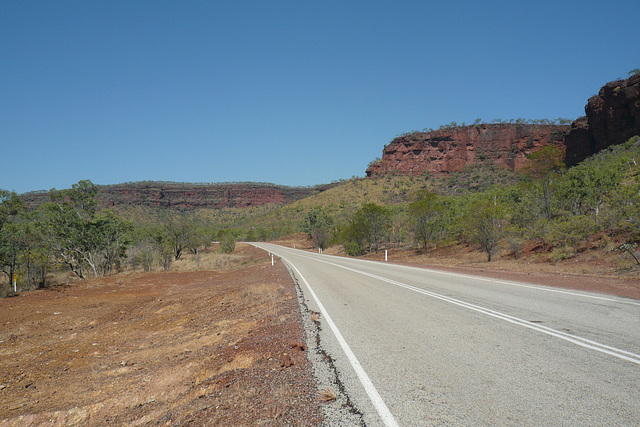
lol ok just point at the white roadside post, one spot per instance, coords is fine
(271, 259)
(385, 256)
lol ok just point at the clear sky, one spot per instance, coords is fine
(288, 92)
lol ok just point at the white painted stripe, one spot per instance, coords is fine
(374, 396)
(583, 342)
(529, 286)
(503, 282)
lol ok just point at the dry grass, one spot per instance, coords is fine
(327, 395)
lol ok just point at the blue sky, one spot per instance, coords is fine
(289, 92)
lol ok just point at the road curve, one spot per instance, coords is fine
(423, 347)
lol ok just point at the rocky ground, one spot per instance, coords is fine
(178, 348)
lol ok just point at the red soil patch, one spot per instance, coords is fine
(197, 348)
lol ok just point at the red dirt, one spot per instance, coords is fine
(195, 348)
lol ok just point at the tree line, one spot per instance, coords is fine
(71, 231)
(478, 122)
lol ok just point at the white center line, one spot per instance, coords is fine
(583, 342)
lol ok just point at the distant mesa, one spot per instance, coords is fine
(612, 117)
(187, 196)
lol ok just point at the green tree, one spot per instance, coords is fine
(515, 236)
(398, 225)
(142, 251)
(585, 187)
(319, 227)
(426, 219)
(367, 227)
(37, 255)
(12, 232)
(69, 227)
(82, 238)
(545, 166)
(113, 234)
(164, 246)
(227, 243)
(571, 230)
(540, 230)
(180, 233)
(485, 224)
(624, 214)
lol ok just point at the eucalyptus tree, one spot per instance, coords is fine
(426, 215)
(82, 238)
(545, 166)
(486, 221)
(367, 227)
(319, 227)
(12, 243)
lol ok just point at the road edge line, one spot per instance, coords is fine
(381, 407)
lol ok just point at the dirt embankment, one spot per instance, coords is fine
(196, 348)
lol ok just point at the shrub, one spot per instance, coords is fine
(353, 248)
(561, 253)
(227, 244)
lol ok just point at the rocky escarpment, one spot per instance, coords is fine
(612, 117)
(449, 150)
(184, 196)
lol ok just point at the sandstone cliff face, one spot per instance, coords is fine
(184, 196)
(612, 117)
(449, 150)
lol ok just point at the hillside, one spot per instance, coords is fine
(342, 200)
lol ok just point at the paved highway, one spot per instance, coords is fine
(421, 347)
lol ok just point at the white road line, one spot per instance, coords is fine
(488, 279)
(374, 396)
(523, 285)
(583, 342)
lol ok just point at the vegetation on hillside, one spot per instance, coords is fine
(548, 205)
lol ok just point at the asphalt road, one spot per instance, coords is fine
(423, 347)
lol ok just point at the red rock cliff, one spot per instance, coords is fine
(449, 150)
(612, 117)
